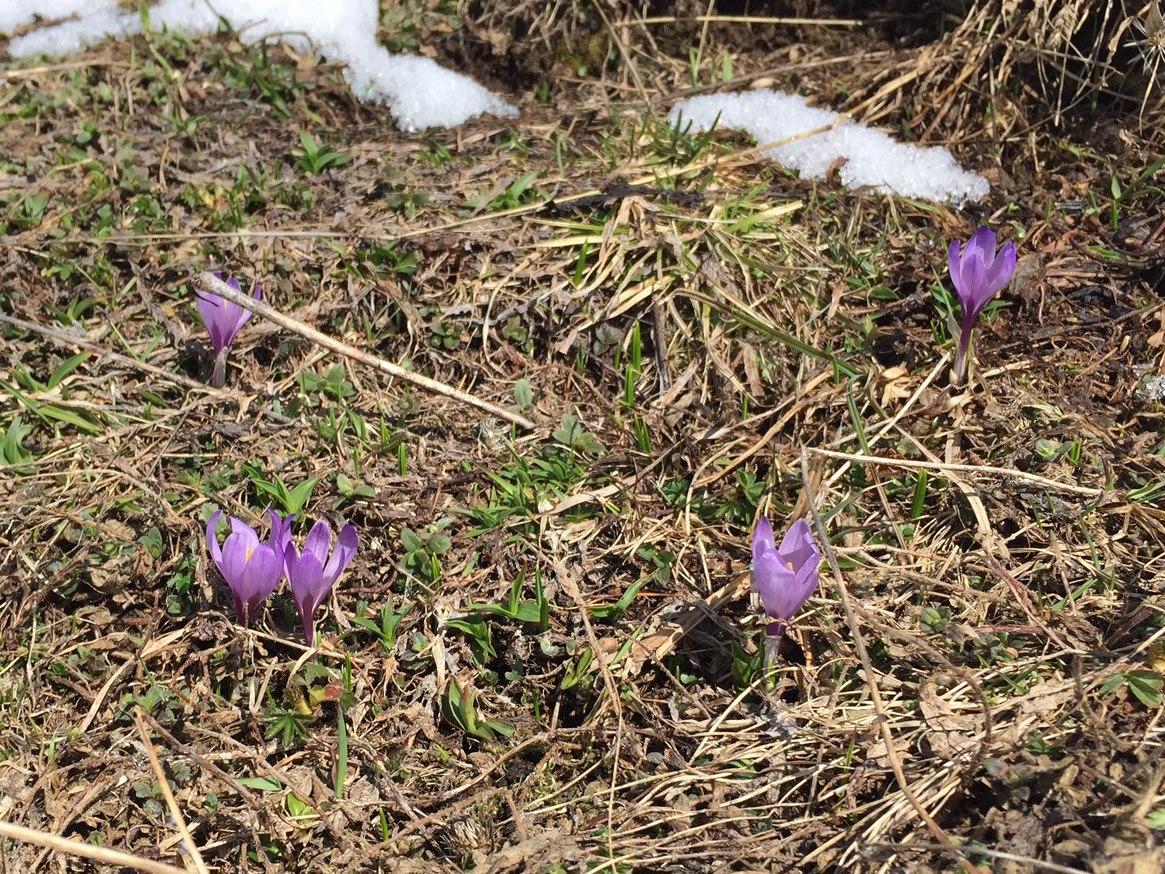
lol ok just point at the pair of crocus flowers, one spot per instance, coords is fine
(254, 569)
(978, 272)
(784, 576)
(223, 319)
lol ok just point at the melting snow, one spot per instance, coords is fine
(420, 92)
(870, 157)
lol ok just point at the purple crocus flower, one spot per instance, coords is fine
(252, 569)
(784, 576)
(223, 320)
(313, 572)
(978, 273)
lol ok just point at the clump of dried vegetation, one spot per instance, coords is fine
(544, 657)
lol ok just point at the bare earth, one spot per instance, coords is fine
(545, 657)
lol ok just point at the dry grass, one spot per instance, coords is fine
(729, 340)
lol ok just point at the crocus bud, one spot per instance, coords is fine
(251, 569)
(223, 320)
(784, 576)
(978, 273)
(312, 573)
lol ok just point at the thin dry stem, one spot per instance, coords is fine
(1005, 472)
(215, 285)
(867, 666)
(106, 855)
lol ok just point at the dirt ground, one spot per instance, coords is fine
(545, 656)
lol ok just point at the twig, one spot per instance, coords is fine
(1024, 600)
(744, 19)
(867, 666)
(1007, 472)
(188, 843)
(216, 286)
(570, 587)
(87, 851)
(984, 851)
(68, 338)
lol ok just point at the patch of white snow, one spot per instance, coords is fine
(420, 92)
(871, 158)
(16, 13)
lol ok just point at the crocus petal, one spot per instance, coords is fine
(280, 534)
(785, 598)
(806, 581)
(239, 569)
(955, 264)
(999, 274)
(974, 295)
(312, 572)
(251, 569)
(262, 572)
(762, 538)
(240, 316)
(212, 540)
(342, 555)
(210, 308)
(305, 575)
(798, 547)
(260, 577)
(768, 578)
(981, 246)
(238, 526)
(978, 273)
(319, 541)
(236, 552)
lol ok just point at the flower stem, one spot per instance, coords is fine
(960, 368)
(771, 656)
(218, 377)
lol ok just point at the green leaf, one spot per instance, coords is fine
(341, 751)
(1150, 170)
(499, 727)
(524, 394)
(521, 184)
(298, 497)
(66, 367)
(611, 611)
(478, 630)
(1112, 684)
(410, 541)
(576, 673)
(543, 603)
(61, 414)
(12, 450)
(262, 784)
(1146, 686)
(297, 807)
(528, 612)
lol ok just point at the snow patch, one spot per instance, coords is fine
(420, 92)
(871, 158)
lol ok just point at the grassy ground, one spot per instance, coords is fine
(545, 657)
